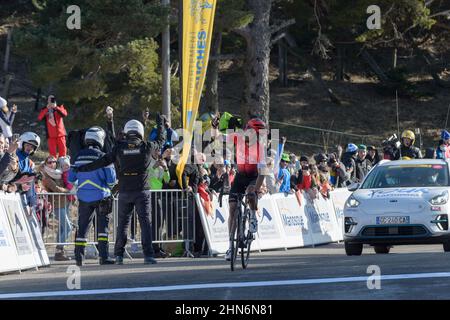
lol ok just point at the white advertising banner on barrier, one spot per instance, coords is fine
(34, 229)
(8, 252)
(13, 207)
(339, 197)
(284, 221)
(269, 235)
(294, 221)
(322, 220)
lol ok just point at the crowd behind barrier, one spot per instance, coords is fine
(301, 193)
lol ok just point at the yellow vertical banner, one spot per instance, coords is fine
(198, 21)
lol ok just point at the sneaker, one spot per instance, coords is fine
(60, 256)
(228, 255)
(149, 260)
(79, 263)
(103, 261)
(253, 223)
(119, 260)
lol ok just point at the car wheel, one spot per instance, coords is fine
(353, 249)
(382, 249)
(446, 246)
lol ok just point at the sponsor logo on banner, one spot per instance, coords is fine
(399, 193)
(219, 217)
(266, 214)
(19, 230)
(218, 226)
(3, 239)
(294, 223)
(267, 228)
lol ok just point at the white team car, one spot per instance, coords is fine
(399, 202)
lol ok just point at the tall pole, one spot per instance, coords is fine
(166, 66)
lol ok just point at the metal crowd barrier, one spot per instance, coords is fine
(173, 219)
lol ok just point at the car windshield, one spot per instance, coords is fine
(407, 175)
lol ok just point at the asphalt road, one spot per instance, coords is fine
(325, 272)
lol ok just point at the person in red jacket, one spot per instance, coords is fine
(56, 132)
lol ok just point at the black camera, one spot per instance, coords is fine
(391, 141)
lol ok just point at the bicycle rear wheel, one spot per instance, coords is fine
(247, 239)
(235, 244)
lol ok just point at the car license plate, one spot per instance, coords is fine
(393, 220)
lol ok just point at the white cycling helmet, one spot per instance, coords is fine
(95, 135)
(134, 127)
(30, 138)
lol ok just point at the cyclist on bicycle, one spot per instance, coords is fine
(250, 177)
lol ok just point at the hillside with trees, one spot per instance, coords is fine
(301, 64)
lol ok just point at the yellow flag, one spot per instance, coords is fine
(198, 21)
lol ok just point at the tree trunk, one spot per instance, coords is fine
(258, 38)
(212, 77)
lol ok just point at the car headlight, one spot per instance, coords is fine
(440, 199)
(352, 202)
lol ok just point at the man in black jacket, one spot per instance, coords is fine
(132, 157)
(363, 165)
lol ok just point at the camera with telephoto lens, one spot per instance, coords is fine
(392, 141)
(391, 145)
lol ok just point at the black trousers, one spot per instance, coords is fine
(85, 216)
(141, 200)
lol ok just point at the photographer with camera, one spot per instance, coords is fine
(407, 149)
(56, 132)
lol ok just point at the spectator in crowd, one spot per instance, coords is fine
(270, 183)
(445, 136)
(9, 166)
(43, 206)
(349, 160)
(170, 135)
(373, 156)
(29, 142)
(284, 176)
(52, 182)
(441, 149)
(64, 166)
(430, 153)
(321, 159)
(294, 164)
(363, 165)
(56, 132)
(304, 161)
(339, 176)
(7, 118)
(324, 181)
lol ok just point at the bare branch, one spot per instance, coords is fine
(428, 3)
(282, 25)
(442, 13)
(277, 38)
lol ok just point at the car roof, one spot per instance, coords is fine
(413, 161)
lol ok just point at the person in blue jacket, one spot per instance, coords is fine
(94, 194)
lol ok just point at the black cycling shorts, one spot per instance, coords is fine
(240, 184)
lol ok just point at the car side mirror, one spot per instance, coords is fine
(353, 187)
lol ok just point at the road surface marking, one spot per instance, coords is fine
(22, 295)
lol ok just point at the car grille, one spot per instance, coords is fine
(394, 231)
